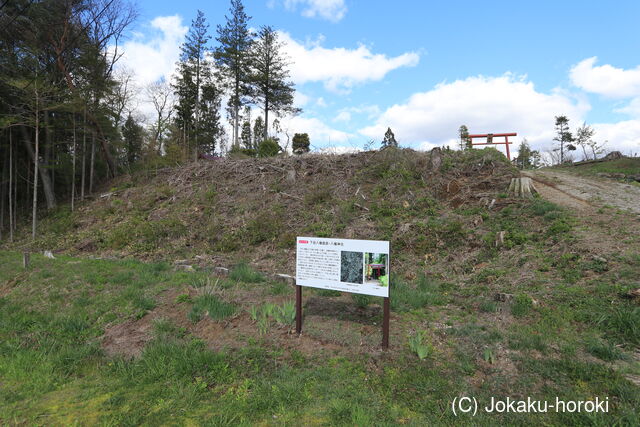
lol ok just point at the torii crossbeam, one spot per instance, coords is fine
(489, 137)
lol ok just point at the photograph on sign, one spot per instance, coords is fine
(357, 266)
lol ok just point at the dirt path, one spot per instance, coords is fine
(582, 193)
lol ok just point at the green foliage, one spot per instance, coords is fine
(488, 306)
(300, 143)
(604, 350)
(286, 313)
(361, 300)
(143, 235)
(269, 148)
(211, 305)
(488, 355)
(183, 298)
(420, 345)
(269, 76)
(426, 292)
(522, 305)
(624, 322)
(242, 272)
(389, 139)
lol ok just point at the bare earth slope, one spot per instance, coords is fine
(579, 192)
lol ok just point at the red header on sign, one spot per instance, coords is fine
(303, 241)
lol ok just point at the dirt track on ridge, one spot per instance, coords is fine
(580, 193)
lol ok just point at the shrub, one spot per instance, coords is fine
(269, 148)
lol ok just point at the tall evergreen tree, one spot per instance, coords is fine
(258, 131)
(465, 142)
(132, 134)
(232, 58)
(211, 130)
(564, 136)
(193, 69)
(269, 77)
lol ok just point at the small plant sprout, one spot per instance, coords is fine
(254, 313)
(419, 344)
(285, 314)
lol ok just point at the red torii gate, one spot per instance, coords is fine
(490, 136)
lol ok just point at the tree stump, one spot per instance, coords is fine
(522, 187)
(435, 159)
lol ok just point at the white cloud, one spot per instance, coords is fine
(343, 116)
(622, 136)
(331, 10)
(320, 134)
(300, 99)
(632, 109)
(605, 79)
(155, 57)
(485, 105)
(340, 68)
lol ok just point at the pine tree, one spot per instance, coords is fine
(258, 131)
(245, 135)
(564, 136)
(193, 69)
(465, 142)
(232, 58)
(527, 158)
(132, 134)
(269, 77)
(211, 130)
(389, 139)
(300, 143)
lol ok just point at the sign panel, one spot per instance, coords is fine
(357, 266)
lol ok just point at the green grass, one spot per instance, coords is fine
(576, 342)
(244, 273)
(212, 306)
(628, 166)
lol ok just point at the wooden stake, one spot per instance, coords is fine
(25, 259)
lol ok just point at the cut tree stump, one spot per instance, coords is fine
(522, 187)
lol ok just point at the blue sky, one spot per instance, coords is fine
(424, 68)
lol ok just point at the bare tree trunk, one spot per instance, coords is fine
(3, 194)
(195, 147)
(10, 187)
(73, 167)
(93, 160)
(35, 172)
(46, 182)
(84, 154)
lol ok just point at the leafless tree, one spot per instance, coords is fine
(160, 94)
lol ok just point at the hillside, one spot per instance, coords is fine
(491, 296)
(220, 208)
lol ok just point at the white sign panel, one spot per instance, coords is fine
(358, 266)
